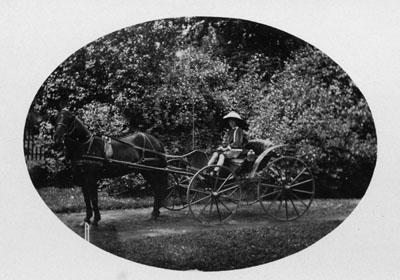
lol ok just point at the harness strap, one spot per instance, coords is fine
(145, 138)
(91, 139)
(108, 150)
(69, 131)
(153, 151)
(90, 144)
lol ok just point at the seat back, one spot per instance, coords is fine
(258, 145)
(197, 159)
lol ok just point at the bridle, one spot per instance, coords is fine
(70, 130)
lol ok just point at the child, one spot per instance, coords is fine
(232, 147)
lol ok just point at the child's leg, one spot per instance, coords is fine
(213, 158)
(220, 162)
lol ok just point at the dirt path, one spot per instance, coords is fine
(135, 223)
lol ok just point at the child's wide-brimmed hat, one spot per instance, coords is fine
(235, 116)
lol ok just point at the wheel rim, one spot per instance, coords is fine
(175, 196)
(286, 188)
(213, 199)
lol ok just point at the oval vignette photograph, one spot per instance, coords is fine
(200, 143)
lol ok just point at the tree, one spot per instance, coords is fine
(191, 98)
(313, 105)
(173, 77)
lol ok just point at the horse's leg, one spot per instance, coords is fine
(79, 177)
(160, 185)
(158, 182)
(95, 203)
(86, 196)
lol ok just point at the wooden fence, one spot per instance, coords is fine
(31, 149)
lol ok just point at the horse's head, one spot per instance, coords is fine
(68, 126)
(65, 125)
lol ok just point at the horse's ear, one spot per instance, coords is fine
(64, 105)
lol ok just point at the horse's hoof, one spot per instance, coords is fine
(95, 223)
(153, 218)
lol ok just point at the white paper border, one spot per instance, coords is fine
(36, 36)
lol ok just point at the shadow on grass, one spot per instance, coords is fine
(219, 250)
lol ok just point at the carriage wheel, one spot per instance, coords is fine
(249, 192)
(214, 198)
(175, 197)
(286, 188)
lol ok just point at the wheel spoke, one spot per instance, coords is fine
(280, 202)
(270, 194)
(218, 211)
(173, 202)
(200, 199)
(299, 199)
(170, 193)
(293, 169)
(178, 184)
(298, 175)
(181, 199)
(294, 206)
(286, 208)
(274, 200)
(301, 183)
(233, 189)
(230, 198)
(272, 186)
(226, 180)
(181, 196)
(212, 202)
(200, 191)
(205, 206)
(302, 191)
(218, 196)
(286, 188)
(226, 207)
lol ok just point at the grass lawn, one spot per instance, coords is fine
(217, 249)
(67, 200)
(221, 249)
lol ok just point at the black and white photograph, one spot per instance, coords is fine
(194, 142)
(228, 121)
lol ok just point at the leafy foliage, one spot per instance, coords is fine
(103, 119)
(313, 105)
(191, 96)
(176, 78)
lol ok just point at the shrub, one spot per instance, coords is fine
(313, 105)
(128, 185)
(38, 173)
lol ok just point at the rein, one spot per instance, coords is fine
(90, 139)
(141, 148)
(151, 151)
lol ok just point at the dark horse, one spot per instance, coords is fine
(94, 157)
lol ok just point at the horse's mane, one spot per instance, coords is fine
(82, 125)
